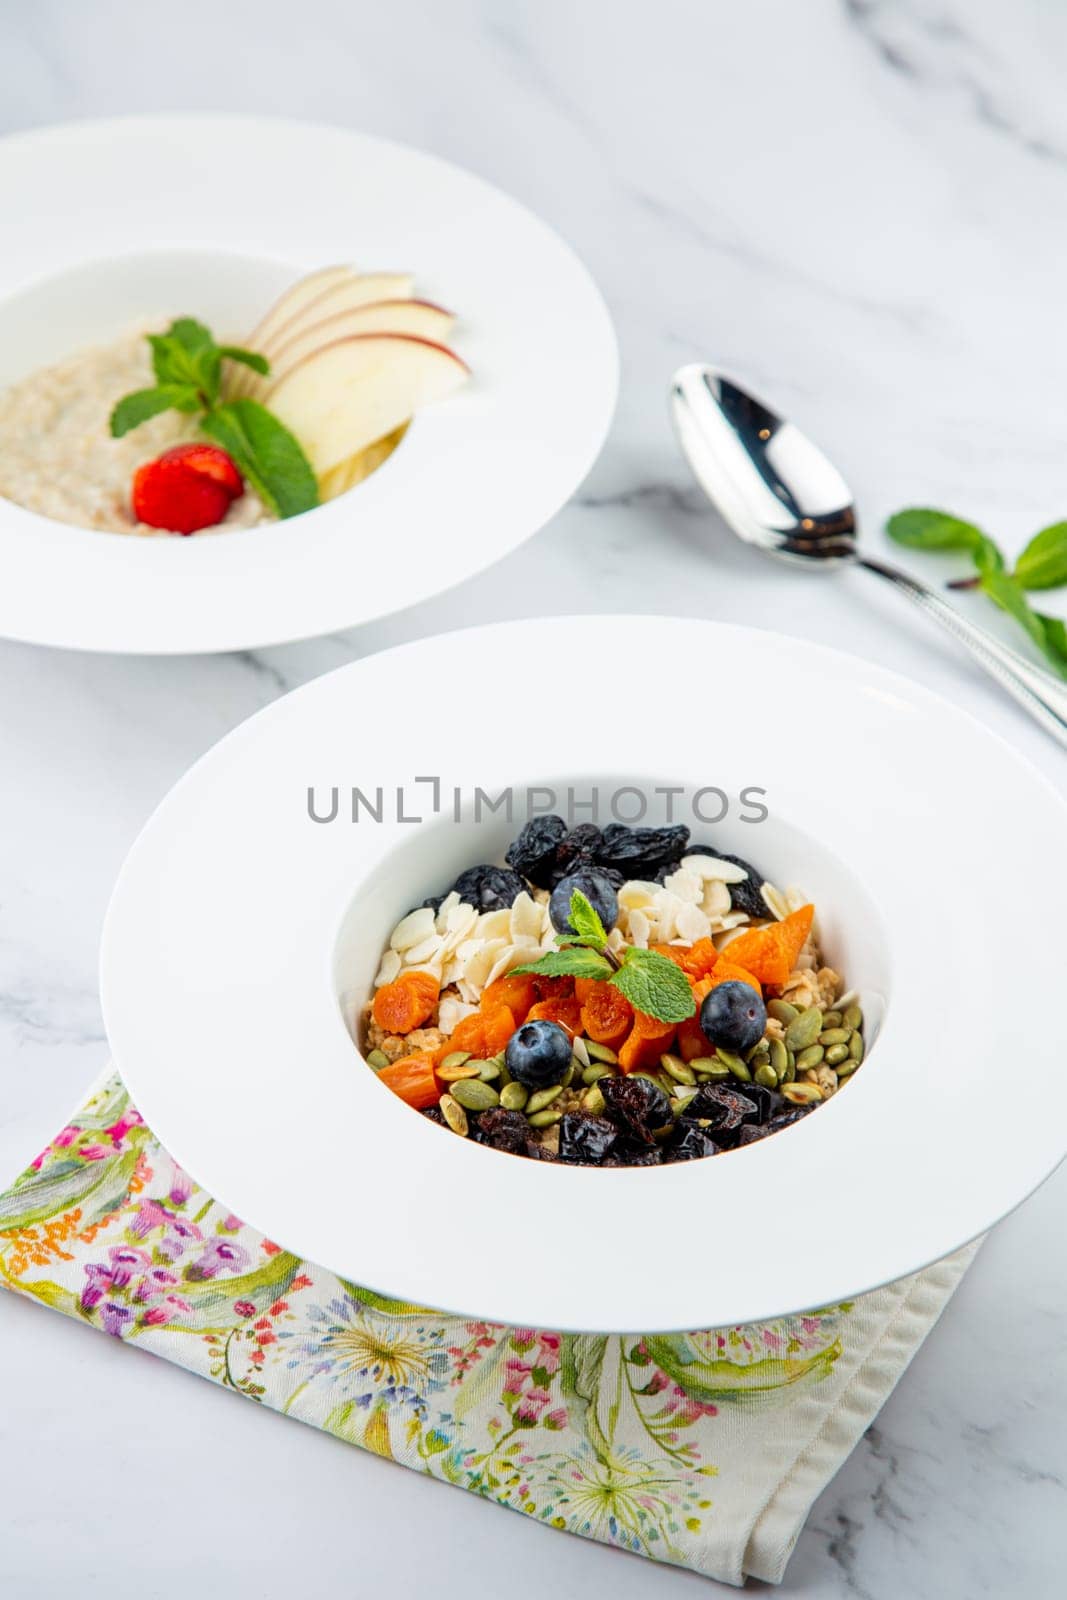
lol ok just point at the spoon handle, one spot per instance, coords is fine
(1041, 694)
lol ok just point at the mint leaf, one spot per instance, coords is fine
(1043, 564)
(267, 454)
(247, 358)
(653, 984)
(924, 529)
(588, 928)
(133, 409)
(1042, 630)
(187, 353)
(574, 962)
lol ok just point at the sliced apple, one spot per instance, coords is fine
(341, 294)
(347, 395)
(299, 293)
(417, 317)
(348, 473)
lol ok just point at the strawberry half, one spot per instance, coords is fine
(189, 487)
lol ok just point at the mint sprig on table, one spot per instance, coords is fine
(1042, 565)
(188, 368)
(650, 982)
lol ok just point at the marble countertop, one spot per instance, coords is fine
(857, 206)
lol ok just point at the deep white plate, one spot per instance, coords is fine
(213, 215)
(243, 936)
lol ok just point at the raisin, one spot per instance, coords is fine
(637, 1106)
(533, 853)
(578, 849)
(718, 1102)
(488, 888)
(586, 1138)
(503, 1130)
(433, 1114)
(640, 852)
(689, 1143)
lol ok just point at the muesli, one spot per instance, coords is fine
(616, 997)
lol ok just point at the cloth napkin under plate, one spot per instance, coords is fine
(703, 1450)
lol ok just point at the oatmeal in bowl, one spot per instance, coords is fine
(612, 997)
(165, 429)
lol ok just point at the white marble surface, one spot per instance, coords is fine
(858, 206)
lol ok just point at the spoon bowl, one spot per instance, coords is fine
(773, 487)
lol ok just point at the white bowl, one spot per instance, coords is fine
(243, 935)
(143, 217)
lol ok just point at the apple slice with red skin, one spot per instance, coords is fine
(347, 395)
(344, 294)
(300, 293)
(419, 318)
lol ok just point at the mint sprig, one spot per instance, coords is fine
(1042, 565)
(652, 983)
(187, 364)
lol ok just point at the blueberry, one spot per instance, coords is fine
(598, 890)
(733, 1015)
(538, 1054)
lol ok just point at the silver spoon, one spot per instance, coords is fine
(777, 491)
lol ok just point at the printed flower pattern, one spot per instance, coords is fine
(612, 1438)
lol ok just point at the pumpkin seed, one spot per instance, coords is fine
(490, 1071)
(454, 1115)
(600, 1052)
(779, 1059)
(593, 1100)
(802, 1094)
(543, 1098)
(845, 1068)
(835, 1035)
(594, 1072)
(456, 1059)
(709, 1068)
(853, 1017)
(836, 1054)
(462, 1069)
(545, 1119)
(682, 1099)
(735, 1065)
(782, 1011)
(377, 1059)
(790, 1072)
(513, 1096)
(831, 1019)
(810, 1057)
(573, 1066)
(766, 1075)
(856, 1047)
(804, 1029)
(677, 1069)
(474, 1095)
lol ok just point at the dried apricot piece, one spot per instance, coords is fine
(691, 1041)
(673, 952)
(412, 1078)
(406, 1003)
(700, 958)
(499, 1025)
(770, 953)
(517, 991)
(647, 1040)
(607, 1016)
(729, 972)
(567, 1012)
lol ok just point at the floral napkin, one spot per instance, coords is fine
(703, 1450)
